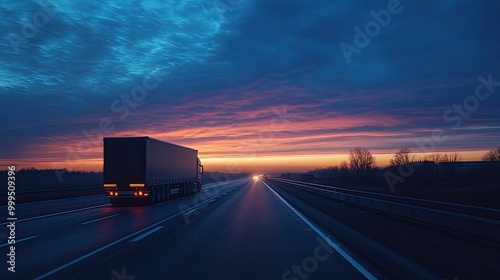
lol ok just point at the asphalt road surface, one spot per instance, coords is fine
(239, 229)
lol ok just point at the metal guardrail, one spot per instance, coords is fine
(55, 190)
(471, 220)
(41, 195)
(34, 192)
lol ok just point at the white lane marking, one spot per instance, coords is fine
(146, 234)
(335, 246)
(211, 200)
(59, 213)
(100, 219)
(20, 240)
(55, 270)
(191, 211)
(160, 204)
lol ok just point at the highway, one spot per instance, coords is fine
(237, 230)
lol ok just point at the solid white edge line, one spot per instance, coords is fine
(335, 246)
(100, 219)
(20, 240)
(146, 234)
(59, 213)
(115, 242)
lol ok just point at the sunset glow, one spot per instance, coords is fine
(246, 92)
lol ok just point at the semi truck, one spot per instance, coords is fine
(146, 169)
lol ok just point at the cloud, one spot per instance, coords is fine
(267, 77)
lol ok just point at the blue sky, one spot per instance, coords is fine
(260, 82)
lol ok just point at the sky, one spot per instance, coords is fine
(262, 85)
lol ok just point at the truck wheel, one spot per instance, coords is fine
(152, 195)
(113, 202)
(158, 194)
(163, 193)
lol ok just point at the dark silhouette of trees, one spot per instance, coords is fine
(402, 157)
(453, 157)
(31, 179)
(493, 155)
(344, 168)
(409, 173)
(361, 160)
(438, 158)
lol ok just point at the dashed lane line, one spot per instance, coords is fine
(20, 240)
(100, 219)
(58, 213)
(153, 226)
(146, 234)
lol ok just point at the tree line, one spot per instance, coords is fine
(408, 168)
(31, 178)
(361, 159)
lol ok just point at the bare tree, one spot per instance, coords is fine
(361, 160)
(403, 157)
(437, 157)
(452, 157)
(329, 172)
(344, 168)
(493, 155)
